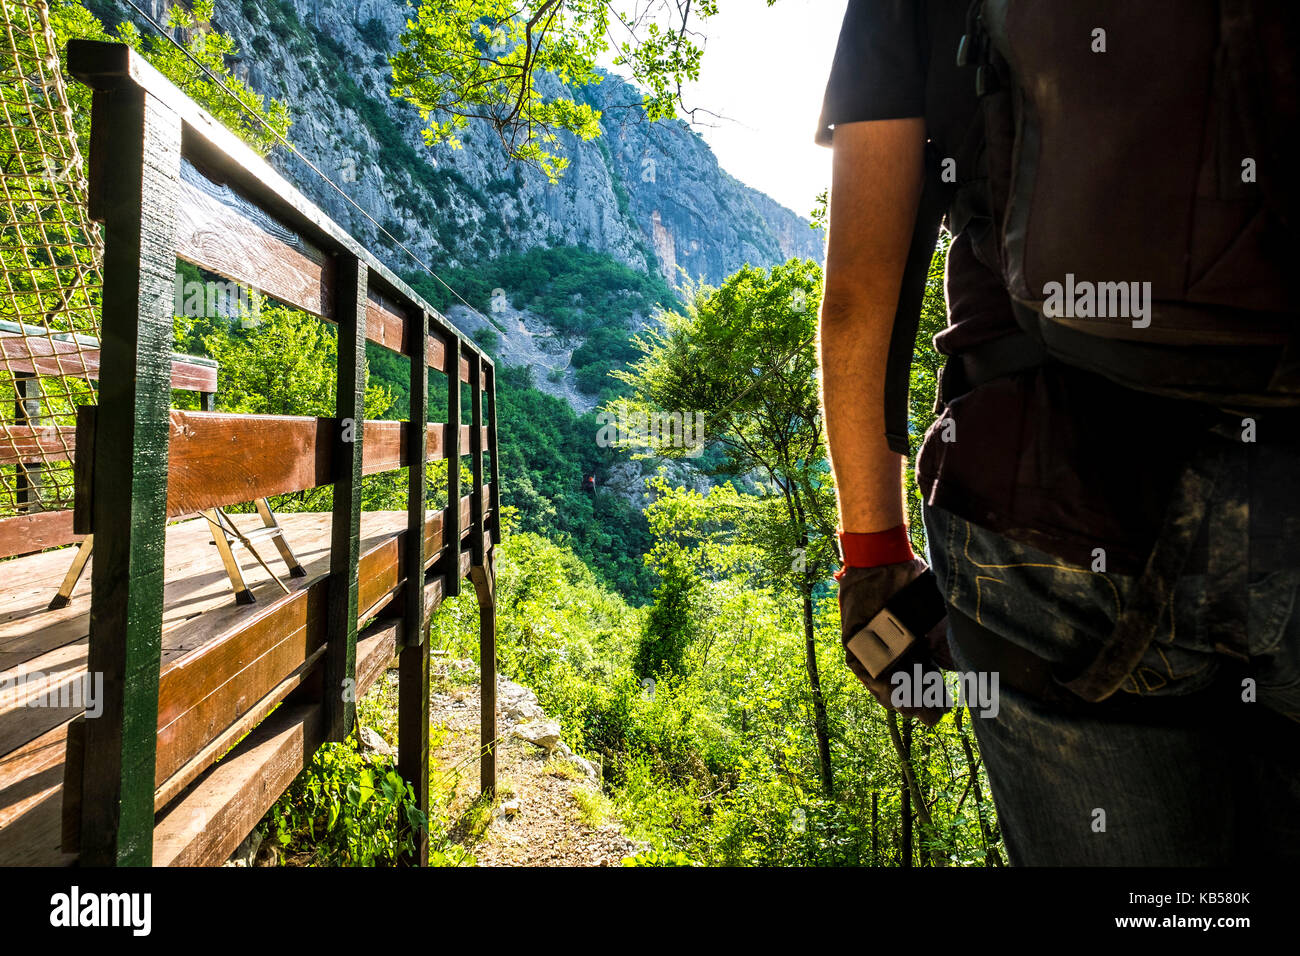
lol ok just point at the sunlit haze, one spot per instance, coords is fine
(764, 73)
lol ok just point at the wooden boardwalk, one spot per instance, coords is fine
(46, 651)
(202, 710)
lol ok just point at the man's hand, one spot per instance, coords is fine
(863, 593)
(875, 186)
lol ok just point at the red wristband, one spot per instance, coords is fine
(876, 548)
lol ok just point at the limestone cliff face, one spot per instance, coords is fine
(647, 194)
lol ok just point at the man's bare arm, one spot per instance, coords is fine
(875, 187)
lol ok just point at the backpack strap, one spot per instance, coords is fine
(907, 317)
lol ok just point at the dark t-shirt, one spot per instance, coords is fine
(1062, 459)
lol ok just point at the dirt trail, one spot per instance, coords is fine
(547, 812)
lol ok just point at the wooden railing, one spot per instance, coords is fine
(168, 181)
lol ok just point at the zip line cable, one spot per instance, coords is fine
(307, 162)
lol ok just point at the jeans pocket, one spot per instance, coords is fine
(1050, 607)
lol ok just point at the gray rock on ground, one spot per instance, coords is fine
(373, 743)
(543, 733)
(516, 704)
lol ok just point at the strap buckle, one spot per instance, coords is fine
(881, 643)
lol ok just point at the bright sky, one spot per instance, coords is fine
(765, 71)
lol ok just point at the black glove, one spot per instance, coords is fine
(864, 592)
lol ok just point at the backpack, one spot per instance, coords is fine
(1152, 243)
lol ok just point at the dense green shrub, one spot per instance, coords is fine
(347, 810)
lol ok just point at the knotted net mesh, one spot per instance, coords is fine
(50, 256)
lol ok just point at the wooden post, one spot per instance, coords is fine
(494, 522)
(485, 586)
(135, 171)
(481, 573)
(413, 661)
(27, 411)
(345, 530)
(477, 539)
(451, 526)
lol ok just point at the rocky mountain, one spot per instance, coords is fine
(650, 195)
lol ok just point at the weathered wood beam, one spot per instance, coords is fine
(454, 450)
(481, 573)
(23, 534)
(135, 185)
(341, 656)
(413, 662)
(220, 459)
(494, 493)
(38, 355)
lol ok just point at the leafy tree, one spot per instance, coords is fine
(546, 449)
(742, 356)
(71, 19)
(668, 629)
(481, 59)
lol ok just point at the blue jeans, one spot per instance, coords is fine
(1133, 780)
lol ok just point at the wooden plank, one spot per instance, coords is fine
(219, 459)
(178, 587)
(229, 671)
(170, 787)
(386, 324)
(376, 649)
(386, 445)
(205, 825)
(467, 439)
(24, 443)
(209, 821)
(195, 702)
(224, 158)
(31, 798)
(40, 355)
(35, 692)
(223, 232)
(193, 377)
(25, 773)
(340, 658)
(140, 137)
(219, 230)
(37, 354)
(436, 356)
(24, 534)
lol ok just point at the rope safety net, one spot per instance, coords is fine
(50, 280)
